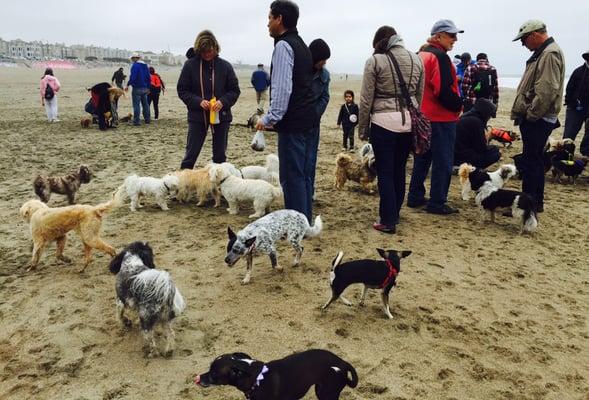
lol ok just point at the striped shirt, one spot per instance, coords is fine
(280, 83)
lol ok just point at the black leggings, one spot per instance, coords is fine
(155, 98)
(197, 133)
(349, 134)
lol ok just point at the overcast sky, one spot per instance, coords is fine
(346, 25)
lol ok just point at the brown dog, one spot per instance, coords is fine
(196, 182)
(362, 171)
(85, 122)
(67, 184)
(52, 225)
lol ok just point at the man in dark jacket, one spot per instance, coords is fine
(471, 144)
(576, 99)
(219, 82)
(118, 78)
(291, 112)
(260, 81)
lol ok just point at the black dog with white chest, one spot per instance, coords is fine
(289, 378)
(374, 274)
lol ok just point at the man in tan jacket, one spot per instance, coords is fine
(537, 103)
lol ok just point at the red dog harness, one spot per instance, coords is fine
(501, 134)
(391, 275)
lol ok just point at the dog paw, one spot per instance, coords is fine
(279, 268)
(65, 259)
(245, 281)
(31, 267)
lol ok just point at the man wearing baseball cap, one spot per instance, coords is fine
(537, 103)
(442, 105)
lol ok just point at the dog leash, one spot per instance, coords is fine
(392, 274)
(202, 92)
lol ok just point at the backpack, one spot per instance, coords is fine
(49, 93)
(483, 83)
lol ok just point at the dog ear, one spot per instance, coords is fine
(115, 264)
(230, 233)
(382, 253)
(405, 253)
(241, 356)
(249, 242)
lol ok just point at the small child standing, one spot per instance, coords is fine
(348, 119)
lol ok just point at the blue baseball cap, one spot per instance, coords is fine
(445, 25)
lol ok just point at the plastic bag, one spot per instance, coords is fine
(259, 141)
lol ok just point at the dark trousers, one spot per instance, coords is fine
(391, 150)
(480, 160)
(534, 137)
(348, 135)
(155, 98)
(572, 125)
(297, 155)
(197, 133)
(440, 157)
(313, 144)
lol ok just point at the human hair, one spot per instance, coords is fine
(288, 10)
(206, 41)
(48, 71)
(381, 38)
(349, 92)
(151, 70)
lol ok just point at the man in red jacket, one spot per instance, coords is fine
(441, 105)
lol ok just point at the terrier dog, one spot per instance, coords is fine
(289, 378)
(374, 274)
(148, 291)
(261, 236)
(362, 171)
(197, 181)
(268, 173)
(235, 189)
(52, 225)
(67, 184)
(498, 177)
(140, 186)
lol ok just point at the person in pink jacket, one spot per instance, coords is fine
(48, 89)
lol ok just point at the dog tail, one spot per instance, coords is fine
(354, 381)
(117, 199)
(316, 229)
(337, 260)
(179, 302)
(464, 171)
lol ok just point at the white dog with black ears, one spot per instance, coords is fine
(137, 187)
(498, 178)
(236, 189)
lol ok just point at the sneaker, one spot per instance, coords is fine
(416, 204)
(384, 228)
(445, 210)
(540, 209)
(344, 149)
(55, 120)
(134, 124)
(352, 150)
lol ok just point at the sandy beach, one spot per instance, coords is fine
(480, 312)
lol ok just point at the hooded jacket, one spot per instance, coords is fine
(226, 86)
(578, 86)
(539, 93)
(51, 81)
(470, 130)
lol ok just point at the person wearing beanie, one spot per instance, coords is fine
(261, 82)
(292, 112)
(480, 81)
(537, 103)
(465, 61)
(471, 143)
(576, 100)
(205, 76)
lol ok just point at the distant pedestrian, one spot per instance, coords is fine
(206, 76)
(118, 78)
(156, 87)
(576, 100)
(480, 82)
(48, 88)
(261, 82)
(140, 81)
(348, 119)
(537, 104)
(442, 106)
(465, 61)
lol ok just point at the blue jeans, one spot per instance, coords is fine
(139, 96)
(534, 137)
(572, 124)
(297, 155)
(440, 157)
(391, 150)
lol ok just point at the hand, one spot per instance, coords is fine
(260, 125)
(218, 105)
(126, 88)
(205, 105)
(42, 103)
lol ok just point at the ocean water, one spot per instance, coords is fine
(509, 81)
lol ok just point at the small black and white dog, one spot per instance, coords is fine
(498, 177)
(489, 198)
(261, 236)
(374, 274)
(148, 291)
(289, 378)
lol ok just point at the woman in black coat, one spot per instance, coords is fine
(205, 75)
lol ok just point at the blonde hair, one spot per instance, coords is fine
(205, 41)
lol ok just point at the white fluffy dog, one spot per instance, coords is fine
(236, 189)
(140, 186)
(498, 178)
(268, 173)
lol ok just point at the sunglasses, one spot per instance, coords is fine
(451, 35)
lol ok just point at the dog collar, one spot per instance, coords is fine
(258, 381)
(167, 188)
(391, 275)
(224, 179)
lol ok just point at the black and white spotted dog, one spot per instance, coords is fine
(489, 198)
(261, 236)
(148, 291)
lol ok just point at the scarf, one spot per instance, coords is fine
(395, 40)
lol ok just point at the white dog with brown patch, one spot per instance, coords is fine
(236, 189)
